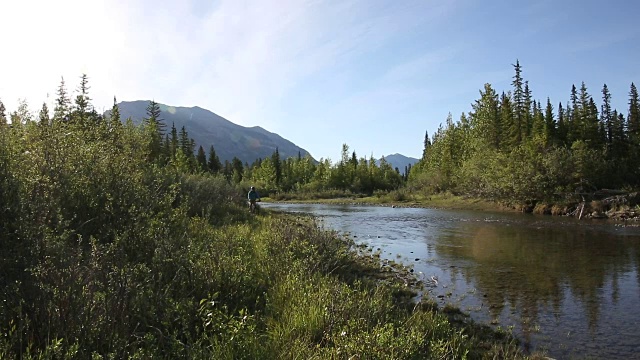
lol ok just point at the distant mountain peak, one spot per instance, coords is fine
(400, 161)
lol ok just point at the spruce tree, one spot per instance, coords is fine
(238, 169)
(573, 117)
(562, 126)
(485, 118)
(115, 122)
(584, 117)
(174, 140)
(633, 117)
(633, 133)
(153, 115)
(538, 128)
(550, 125)
(213, 163)
(62, 104)
(606, 117)
(618, 136)
(201, 158)
(529, 109)
(518, 126)
(227, 170)
(3, 115)
(275, 158)
(44, 115)
(594, 134)
(427, 145)
(155, 137)
(82, 102)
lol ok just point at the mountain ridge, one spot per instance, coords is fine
(208, 128)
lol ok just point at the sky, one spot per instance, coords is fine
(374, 74)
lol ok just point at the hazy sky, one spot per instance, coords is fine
(370, 73)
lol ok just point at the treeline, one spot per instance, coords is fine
(512, 147)
(303, 175)
(115, 245)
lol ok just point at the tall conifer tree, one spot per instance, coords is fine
(62, 103)
(213, 164)
(518, 125)
(606, 117)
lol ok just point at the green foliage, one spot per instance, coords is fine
(305, 178)
(513, 150)
(105, 254)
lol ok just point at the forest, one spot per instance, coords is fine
(510, 147)
(119, 241)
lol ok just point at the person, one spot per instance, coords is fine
(253, 197)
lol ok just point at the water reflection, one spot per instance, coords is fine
(567, 286)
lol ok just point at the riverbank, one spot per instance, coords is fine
(622, 208)
(439, 201)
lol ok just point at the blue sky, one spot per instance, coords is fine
(370, 73)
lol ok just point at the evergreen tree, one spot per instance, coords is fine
(184, 143)
(485, 118)
(633, 117)
(44, 115)
(115, 122)
(618, 136)
(538, 128)
(155, 136)
(275, 158)
(201, 158)
(606, 117)
(82, 99)
(153, 115)
(550, 125)
(227, 170)
(512, 136)
(213, 164)
(518, 127)
(238, 169)
(62, 103)
(427, 144)
(594, 133)
(167, 151)
(573, 117)
(82, 103)
(529, 107)
(3, 115)
(562, 126)
(174, 142)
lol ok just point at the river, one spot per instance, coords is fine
(569, 287)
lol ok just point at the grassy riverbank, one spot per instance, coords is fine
(268, 287)
(400, 198)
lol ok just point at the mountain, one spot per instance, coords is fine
(207, 128)
(400, 161)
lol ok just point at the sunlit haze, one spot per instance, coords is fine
(373, 74)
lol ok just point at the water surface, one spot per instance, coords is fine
(566, 286)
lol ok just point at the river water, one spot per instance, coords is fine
(562, 285)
